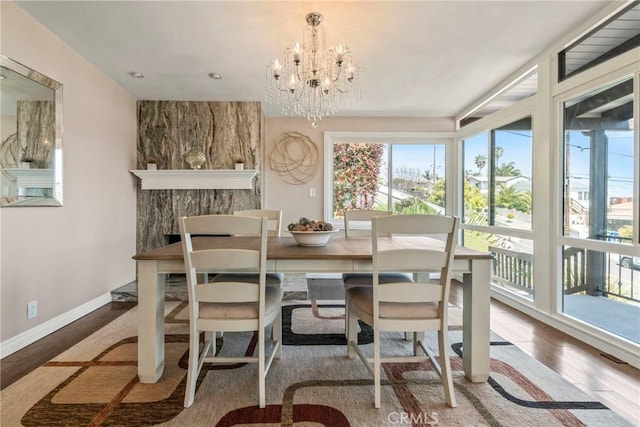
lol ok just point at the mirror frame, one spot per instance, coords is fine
(56, 158)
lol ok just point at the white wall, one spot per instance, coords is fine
(68, 256)
(294, 200)
(8, 125)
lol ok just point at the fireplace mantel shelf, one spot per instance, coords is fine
(199, 179)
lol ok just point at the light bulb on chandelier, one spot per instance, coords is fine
(312, 80)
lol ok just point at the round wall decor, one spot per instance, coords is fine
(294, 157)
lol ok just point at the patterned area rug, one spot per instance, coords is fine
(314, 384)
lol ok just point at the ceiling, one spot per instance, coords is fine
(419, 58)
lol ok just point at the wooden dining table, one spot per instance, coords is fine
(339, 255)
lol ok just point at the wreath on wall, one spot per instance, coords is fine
(294, 157)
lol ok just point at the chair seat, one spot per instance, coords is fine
(361, 297)
(364, 279)
(272, 279)
(273, 299)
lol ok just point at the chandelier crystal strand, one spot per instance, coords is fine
(312, 80)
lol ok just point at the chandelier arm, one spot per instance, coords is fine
(280, 88)
(297, 95)
(338, 75)
(299, 77)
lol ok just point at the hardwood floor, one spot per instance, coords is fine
(617, 385)
(20, 363)
(614, 384)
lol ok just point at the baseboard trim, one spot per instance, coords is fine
(26, 338)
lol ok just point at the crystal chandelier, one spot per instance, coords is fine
(313, 80)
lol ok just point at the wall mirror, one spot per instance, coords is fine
(30, 137)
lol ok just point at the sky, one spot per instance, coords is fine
(620, 161)
(517, 149)
(420, 157)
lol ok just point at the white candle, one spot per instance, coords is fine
(277, 68)
(340, 50)
(297, 50)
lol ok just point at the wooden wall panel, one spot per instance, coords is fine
(36, 125)
(225, 132)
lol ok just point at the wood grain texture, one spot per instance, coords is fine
(226, 132)
(20, 363)
(285, 248)
(36, 132)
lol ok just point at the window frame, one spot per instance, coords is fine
(600, 76)
(389, 138)
(523, 109)
(581, 88)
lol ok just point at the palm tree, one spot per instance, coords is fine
(499, 151)
(481, 162)
(508, 169)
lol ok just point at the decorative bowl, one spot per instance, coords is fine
(312, 238)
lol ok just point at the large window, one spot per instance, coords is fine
(497, 176)
(598, 164)
(601, 278)
(404, 175)
(497, 198)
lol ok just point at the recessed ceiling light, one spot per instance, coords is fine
(136, 74)
(215, 76)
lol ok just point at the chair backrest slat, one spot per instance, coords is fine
(225, 259)
(227, 292)
(220, 225)
(357, 223)
(413, 260)
(274, 218)
(430, 225)
(416, 292)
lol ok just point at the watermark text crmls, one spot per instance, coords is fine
(406, 418)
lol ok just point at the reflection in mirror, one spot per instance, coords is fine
(30, 137)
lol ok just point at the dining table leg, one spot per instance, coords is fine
(476, 299)
(150, 321)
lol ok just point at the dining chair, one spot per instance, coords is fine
(357, 223)
(274, 219)
(234, 306)
(406, 307)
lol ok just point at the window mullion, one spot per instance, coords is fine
(491, 176)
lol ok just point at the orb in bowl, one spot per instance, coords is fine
(312, 238)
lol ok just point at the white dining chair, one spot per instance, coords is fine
(406, 307)
(357, 223)
(234, 306)
(274, 221)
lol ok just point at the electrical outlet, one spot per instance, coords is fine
(312, 192)
(32, 309)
